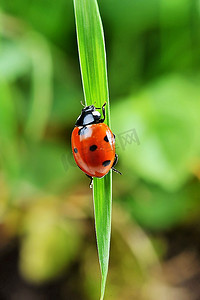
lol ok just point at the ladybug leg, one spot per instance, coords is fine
(115, 160)
(114, 164)
(103, 112)
(91, 181)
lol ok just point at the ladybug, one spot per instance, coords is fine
(93, 143)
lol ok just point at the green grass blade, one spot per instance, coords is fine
(102, 196)
(95, 85)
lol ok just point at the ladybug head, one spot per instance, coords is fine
(89, 115)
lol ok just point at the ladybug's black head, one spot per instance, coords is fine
(89, 108)
(89, 115)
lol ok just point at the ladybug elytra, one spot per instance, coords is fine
(93, 143)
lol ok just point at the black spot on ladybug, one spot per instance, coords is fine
(93, 147)
(106, 139)
(82, 131)
(75, 150)
(106, 163)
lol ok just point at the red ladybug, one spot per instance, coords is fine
(93, 143)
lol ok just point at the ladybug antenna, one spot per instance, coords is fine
(82, 103)
(102, 106)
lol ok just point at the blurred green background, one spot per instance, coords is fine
(47, 236)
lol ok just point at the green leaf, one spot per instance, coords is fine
(165, 116)
(9, 156)
(38, 50)
(94, 77)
